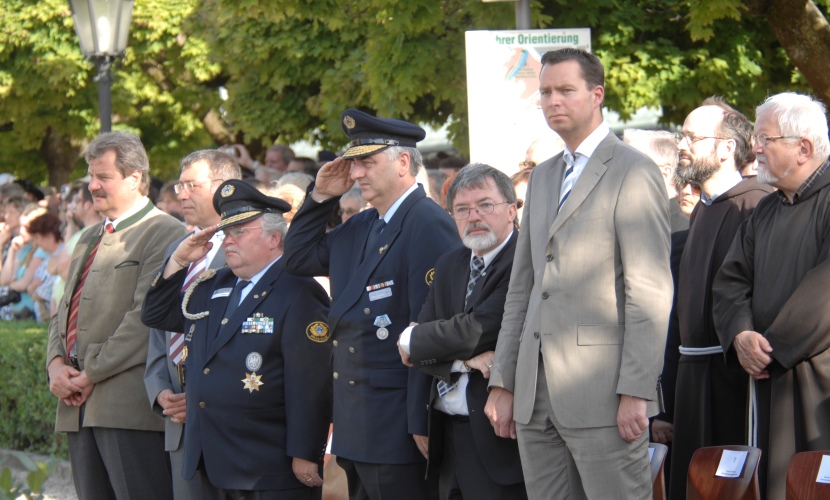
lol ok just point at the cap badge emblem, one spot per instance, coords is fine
(227, 191)
(348, 121)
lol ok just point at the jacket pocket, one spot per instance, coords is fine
(607, 334)
(127, 263)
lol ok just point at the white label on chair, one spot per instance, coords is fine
(824, 470)
(650, 454)
(731, 463)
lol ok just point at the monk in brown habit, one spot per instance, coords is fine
(771, 293)
(710, 401)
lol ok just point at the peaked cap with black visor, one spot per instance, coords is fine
(238, 202)
(370, 134)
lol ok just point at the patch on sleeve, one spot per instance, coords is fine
(430, 276)
(318, 332)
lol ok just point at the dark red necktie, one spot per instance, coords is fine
(72, 327)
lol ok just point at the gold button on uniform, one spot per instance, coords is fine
(202, 404)
(351, 382)
(336, 375)
(334, 343)
(225, 321)
(207, 371)
(351, 350)
(367, 311)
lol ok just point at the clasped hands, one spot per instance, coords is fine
(73, 387)
(482, 362)
(753, 351)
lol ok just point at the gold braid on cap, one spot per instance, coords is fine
(210, 273)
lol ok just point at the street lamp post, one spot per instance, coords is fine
(103, 27)
(522, 12)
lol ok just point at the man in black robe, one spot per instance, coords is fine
(710, 398)
(771, 293)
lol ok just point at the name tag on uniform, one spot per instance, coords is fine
(380, 294)
(222, 292)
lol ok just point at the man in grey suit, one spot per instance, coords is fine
(201, 174)
(581, 343)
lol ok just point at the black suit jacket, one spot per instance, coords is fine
(447, 331)
(248, 437)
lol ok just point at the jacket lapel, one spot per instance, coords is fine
(373, 257)
(460, 278)
(214, 320)
(255, 296)
(488, 272)
(586, 182)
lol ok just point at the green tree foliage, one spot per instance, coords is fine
(292, 66)
(295, 65)
(48, 99)
(675, 53)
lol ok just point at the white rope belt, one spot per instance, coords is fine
(752, 416)
(700, 351)
(752, 410)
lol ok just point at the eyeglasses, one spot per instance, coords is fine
(462, 213)
(762, 139)
(691, 138)
(191, 185)
(237, 232)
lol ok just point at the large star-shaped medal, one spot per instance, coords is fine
(252, 382)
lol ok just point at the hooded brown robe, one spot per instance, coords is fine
(776, 281)
(710, 401)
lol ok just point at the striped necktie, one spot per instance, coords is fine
(476, 272)
(476, 268)
(75, 302)
(570, 178)
(177, 338)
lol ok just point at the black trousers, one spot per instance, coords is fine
(462, 473)
(119, 464)
(384, 481)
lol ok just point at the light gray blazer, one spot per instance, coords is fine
(590, 287)
(161, 373)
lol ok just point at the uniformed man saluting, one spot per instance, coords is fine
(381, 264)
(257, 355)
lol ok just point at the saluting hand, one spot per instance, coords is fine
(333, 179)
(191, 249)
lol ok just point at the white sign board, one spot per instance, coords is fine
(503, 91)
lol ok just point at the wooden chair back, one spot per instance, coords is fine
(703, 484)
(802, 474)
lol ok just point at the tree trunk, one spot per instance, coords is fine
(805, 34)
(60, 155)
